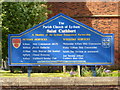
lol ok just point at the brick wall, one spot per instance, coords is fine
(84, 8)
(90, 13)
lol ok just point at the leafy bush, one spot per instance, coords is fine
(19, 16)
(100, 72)
(86, 71)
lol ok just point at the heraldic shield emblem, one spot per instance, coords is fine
(16, 43)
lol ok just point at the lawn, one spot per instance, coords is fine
(3, 73)
(19, 74)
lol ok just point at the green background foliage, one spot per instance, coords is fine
(19, 16)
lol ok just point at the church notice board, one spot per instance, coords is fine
(60, 40)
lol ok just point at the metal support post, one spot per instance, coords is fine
(29, 70)
(93, 71)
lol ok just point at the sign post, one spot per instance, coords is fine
(29, 71)
(60, 41)
(94, 73)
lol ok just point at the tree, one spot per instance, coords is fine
(19, 16)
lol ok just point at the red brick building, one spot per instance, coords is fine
(102, 16)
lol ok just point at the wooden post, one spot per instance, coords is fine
(2, 64)
(5, 65)
(64, 69)
(79, 71)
